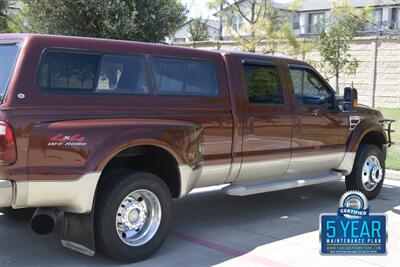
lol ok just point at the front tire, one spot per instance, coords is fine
(132, 215)
(368, 172)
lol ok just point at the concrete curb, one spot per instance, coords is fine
(392, 175)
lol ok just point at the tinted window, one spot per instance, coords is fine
(123, 74)
(8, 55)
(185, 77)
(72, 71)
(263, 84)
(310, 89)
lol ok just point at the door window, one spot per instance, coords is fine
(309, 89)
(263, 84)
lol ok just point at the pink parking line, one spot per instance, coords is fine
(227, 250)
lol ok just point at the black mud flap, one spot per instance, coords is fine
(78, 233)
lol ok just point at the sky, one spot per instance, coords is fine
(199, 8)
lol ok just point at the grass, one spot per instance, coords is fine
(393, 160)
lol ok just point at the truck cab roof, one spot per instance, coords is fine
(99, 43)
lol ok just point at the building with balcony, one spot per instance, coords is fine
(386, 14)
(305, 20)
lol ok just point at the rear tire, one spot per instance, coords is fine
(132, 215)
(368, 172)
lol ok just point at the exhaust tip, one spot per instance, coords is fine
(44, 221)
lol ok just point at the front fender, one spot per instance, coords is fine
(362, 129)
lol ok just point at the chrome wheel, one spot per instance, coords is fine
(372, 173)
(138, 217)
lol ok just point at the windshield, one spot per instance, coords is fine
(8, 55)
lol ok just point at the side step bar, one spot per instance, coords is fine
(286, 183)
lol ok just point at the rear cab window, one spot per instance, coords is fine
(184, 77)
(262, 82)
(68, 71)
(75, 72)
(123, 74)
(8, 58)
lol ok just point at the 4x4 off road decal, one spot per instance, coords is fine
(353, 230)
(67, 140)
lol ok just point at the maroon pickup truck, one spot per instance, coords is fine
(107, 132)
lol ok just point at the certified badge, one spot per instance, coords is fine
(353, 230)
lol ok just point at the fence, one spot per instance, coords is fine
(378, 75)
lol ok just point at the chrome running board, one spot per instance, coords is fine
(276, 185)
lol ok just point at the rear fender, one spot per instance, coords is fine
(72, 154)
(69, 149)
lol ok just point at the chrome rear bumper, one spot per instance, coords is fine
(6, 193)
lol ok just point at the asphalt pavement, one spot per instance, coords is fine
(210, 228)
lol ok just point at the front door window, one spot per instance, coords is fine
(310, 90)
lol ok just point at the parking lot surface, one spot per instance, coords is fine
(210, 228)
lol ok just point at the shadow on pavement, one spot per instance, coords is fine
(209, 228)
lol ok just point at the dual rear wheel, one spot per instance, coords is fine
(132, 215)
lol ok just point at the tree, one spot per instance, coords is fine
(3, 15)
(253, 12)
(219, 5)
(278, 28)
(157, 19)
(198, 30)
(17, 21)
(140, 20)
(333, 35)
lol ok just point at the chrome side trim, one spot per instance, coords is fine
(346, 166)
(202, 176)
(259, 170)
(189, 178)
(70, 196)
(287, 183)
(6, 193)
(314, 163)
(271, 170)
(213, 175)
(20, 197)
(254, 172)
